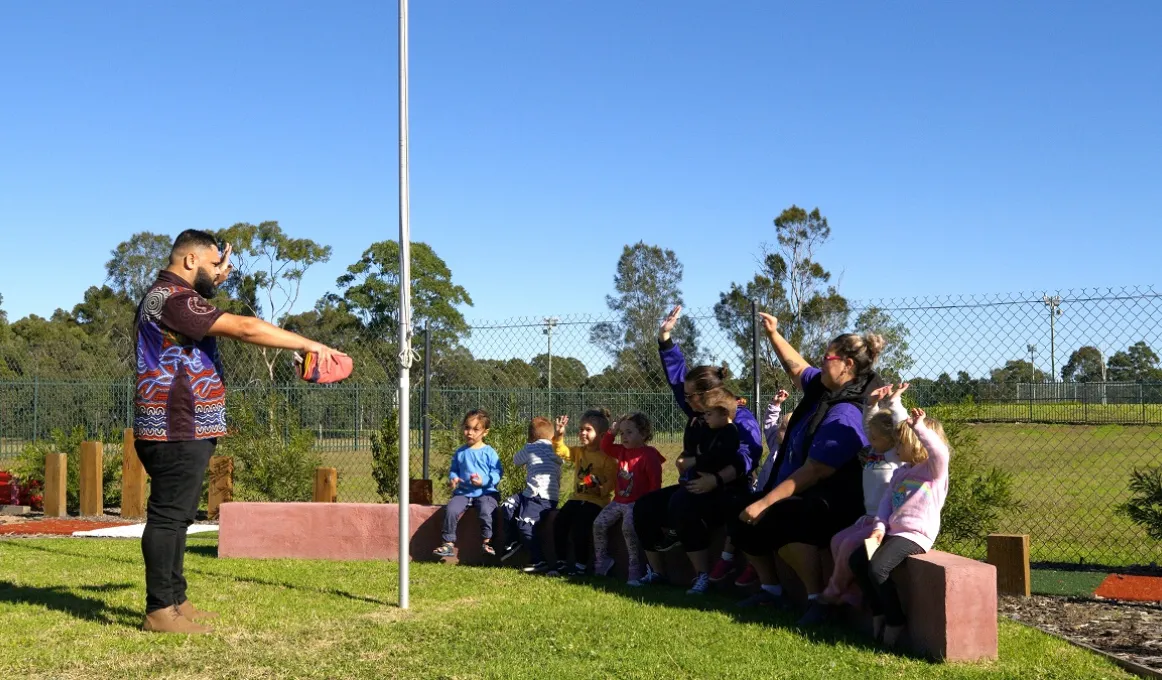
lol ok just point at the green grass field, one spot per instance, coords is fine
(71, 609)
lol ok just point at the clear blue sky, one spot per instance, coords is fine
(955, 147)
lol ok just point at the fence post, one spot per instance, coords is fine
(221, 484)
(427, 388)
(36, 409)
(756, 369)
(1142, 398)
(55, 484)
(1009, 553)
(326, 481)
(356, 416)
(132, 480)
(92, 490)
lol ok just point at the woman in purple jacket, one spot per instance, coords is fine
(685, 514)
(817, 488)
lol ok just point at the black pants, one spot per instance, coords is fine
(812, 518)
(176, 471)
(875, 579)
(575, 521)
(687, 517)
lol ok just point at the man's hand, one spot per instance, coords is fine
(326, 354)
(224, 268)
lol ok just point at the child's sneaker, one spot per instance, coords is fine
(669, 542)
(488, 549)
(721, 570)
(538, 568)
(652, 578)
(446, 550)
(510, 549)
(701, 584)
(747, 578)
(602, 568)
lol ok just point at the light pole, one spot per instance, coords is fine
(550, 323)
(1032, 364)
(1054, 305)
(1102, 359)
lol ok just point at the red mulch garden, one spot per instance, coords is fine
(1131, 588)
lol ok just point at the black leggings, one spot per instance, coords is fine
(811, 518)
(575, 521)
(687, 517)
(875, 578)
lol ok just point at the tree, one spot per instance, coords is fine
(735, 316)
(647, 284)
(1084, 366)
(1017, 371)
(135, 263)
(370, 291)
(569, 373)
(269, 268)
(107, 318)
(1138, 363)
(895, 358)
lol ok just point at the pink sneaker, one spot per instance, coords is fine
(747, 578)
(721, 570)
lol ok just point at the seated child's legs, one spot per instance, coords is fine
(486, 506)
(843, 544)
(452, 513)
(632, 546)
(562, 528)
(605, 519)
(891, 554)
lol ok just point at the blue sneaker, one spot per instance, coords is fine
(701, 584)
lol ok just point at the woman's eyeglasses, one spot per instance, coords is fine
(832, 357)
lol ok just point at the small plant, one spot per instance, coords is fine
(385, 457)
(1145, 505)
(274, 457)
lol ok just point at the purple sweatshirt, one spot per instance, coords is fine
(750, 451)
(911, 506)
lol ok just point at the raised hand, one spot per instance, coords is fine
(770, 323)
(224, 267)
(879, 394)
(668, 324)
(780, 397)
(562, 421)
(903, 388)
(917, 417)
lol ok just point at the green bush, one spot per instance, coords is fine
(977, 494)
(1145, 505)
(30, 465)
(274, 456)
(385, 457)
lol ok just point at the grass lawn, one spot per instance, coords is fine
(71, 609)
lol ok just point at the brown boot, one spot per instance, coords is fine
(192, 613)
(170, 620)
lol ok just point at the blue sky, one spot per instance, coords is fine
(955, 147)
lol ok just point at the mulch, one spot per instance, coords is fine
(57, 527)
(1128, 630)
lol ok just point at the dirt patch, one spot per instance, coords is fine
(1131, 631)
(58, 527)
(1131, 588)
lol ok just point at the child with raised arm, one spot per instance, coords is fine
(524, 511)
(473, 475)
(639, 471)
(884, 414)
(774, 429)
(594, 479)
(907, 521)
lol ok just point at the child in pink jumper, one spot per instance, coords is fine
(907, 521)
(884, 415)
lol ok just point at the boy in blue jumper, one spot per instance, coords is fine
(473, 475)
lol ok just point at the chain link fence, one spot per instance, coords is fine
(1061, 392)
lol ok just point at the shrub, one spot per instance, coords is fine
(1145, 505)
(29, 466)
(385, 457)
(977, 495)
(274, 456)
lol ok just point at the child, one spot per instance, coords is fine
(525, 510)
(639, 471)
(473, 476)
(909, 517)
(884, 415)
(774, 429)
(595, 475)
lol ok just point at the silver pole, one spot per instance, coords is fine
(405, 321)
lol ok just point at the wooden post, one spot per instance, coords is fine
(326, 483)
(1009, 553)
(132, 480)
(221, 484)
(92, 468)
(420, 492)
(56, 483)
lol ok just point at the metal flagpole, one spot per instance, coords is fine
(405, 311)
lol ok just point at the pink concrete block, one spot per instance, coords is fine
(951, 603)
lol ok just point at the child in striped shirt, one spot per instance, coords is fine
(525, 510)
